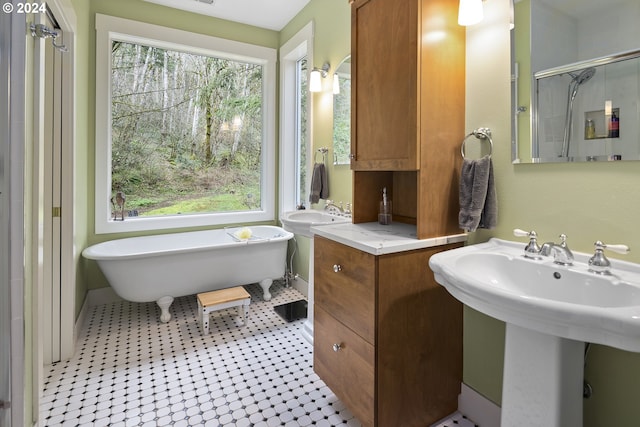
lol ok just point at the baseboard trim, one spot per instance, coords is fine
(94, 297)
(301, 286)
(101, 296)
(80, 321)
(478, 408)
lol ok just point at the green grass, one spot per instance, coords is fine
(220, 203)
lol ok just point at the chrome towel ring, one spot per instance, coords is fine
(482, 134)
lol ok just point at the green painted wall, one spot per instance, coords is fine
(586, 201)
(84, 140)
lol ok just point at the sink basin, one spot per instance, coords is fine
(550, 312)
(527, 279)
(300, 222)
(566, 301)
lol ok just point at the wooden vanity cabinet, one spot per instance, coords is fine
(387, 337)
(407, 111)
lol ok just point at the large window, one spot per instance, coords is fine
(184, 129)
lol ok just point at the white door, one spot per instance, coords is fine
(52, 146)
(52, 152)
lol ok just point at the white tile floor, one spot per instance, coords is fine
(131, 370)
(455, 420)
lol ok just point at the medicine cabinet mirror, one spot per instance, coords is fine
(575, 81)
(342, 113)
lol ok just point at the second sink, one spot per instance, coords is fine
(301, 221)
(566, 301)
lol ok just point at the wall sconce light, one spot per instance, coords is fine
(336, 84)
(316, 76)
(470, 12)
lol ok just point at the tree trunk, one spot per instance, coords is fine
(207, 139)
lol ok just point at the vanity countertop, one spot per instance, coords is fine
(377, 239)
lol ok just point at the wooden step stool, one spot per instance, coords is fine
(208, 302)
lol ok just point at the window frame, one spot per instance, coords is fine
(296, 48)
(108, 29)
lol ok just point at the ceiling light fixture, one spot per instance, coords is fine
(470, 12)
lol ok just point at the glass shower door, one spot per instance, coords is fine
(5, 301)
(5, 308)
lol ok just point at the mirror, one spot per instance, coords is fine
(342, 113)
(575, 77)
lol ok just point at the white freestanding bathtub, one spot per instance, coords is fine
(162, 267)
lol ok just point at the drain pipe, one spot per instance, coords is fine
(587, 390)
(289, 275)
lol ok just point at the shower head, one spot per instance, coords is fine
(579, 79)
(584, 76)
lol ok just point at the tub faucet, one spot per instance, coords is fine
(562, 255)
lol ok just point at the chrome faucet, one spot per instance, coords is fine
(562, 255)
(332, 208)
(599, 263)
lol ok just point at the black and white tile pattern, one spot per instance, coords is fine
(131, 370)
(455, 420)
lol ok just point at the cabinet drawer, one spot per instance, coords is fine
(348, 370)
(344, 285)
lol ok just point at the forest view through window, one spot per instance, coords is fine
(186, 131)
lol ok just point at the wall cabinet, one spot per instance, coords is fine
(387, 337)
(408, 74)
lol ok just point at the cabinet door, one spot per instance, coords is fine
(345, 362)
(384, 105)
(344, 285)
(419, 341)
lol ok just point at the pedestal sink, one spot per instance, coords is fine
(300, 222)
(550, 311)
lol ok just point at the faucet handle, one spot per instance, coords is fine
(532, 250)
(599, 263)
(521, 233)
(347, 210)
(621, 249)
(563, 241)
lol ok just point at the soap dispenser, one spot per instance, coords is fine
(384, 213)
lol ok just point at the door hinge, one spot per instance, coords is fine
(56, 212)
(4, 404)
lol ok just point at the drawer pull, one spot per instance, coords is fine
(337, 268)
(337, 347)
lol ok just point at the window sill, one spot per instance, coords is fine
(132, 224)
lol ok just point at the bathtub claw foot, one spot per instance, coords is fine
(265, 285)
(164, 303)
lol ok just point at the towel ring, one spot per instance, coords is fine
(480, 133)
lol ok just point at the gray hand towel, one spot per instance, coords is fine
(319, 183)
(478, 200)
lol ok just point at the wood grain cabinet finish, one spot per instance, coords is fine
(387, 337)
(407, 111)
